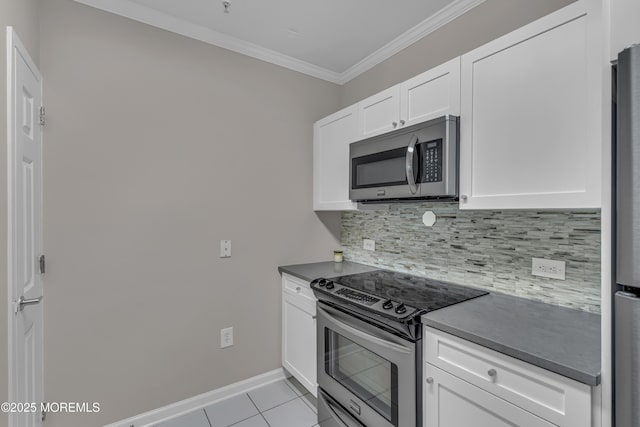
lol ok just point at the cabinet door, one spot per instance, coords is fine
(452, 402)
(331, 138)
(531, 126)
(379, 113)
(625, 29)
(431, 94)
(299, 338)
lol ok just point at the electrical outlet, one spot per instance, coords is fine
(369, 244)
(225, 248)
(548, 268)
(226, 337)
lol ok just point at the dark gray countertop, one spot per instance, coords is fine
(561, 340)
(327, 269)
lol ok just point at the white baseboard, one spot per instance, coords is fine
(198, 402)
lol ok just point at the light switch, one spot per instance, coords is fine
(225, 248)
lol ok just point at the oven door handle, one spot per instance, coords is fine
(411, 178)
(371, 338)
(337, 411)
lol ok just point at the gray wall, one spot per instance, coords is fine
(157, 147)
(23, 16)
(480, 25)
(486, 249)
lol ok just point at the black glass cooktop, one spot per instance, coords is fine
(419, 292)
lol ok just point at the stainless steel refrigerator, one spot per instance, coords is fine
(627, 252)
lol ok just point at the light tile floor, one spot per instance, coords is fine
(285, 403)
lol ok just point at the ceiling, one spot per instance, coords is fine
(335, 40)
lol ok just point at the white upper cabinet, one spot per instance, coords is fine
(531, 115)
(625, 25)
(431, 94)
(424, 97)
(379, 113)
(331, 138)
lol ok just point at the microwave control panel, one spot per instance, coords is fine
(431, 161)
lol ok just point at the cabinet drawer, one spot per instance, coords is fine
(298, 287)
(452, 402)
(558, 399)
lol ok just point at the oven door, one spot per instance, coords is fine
(370, 373)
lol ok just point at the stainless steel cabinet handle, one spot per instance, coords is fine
(24, 302)
(402, 122)
(394, 124)
(492, 373)
(429, 380)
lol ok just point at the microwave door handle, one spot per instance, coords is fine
(411, 178)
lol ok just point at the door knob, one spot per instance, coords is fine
(402, 122)
(394, 124)
(492, 373)
(24, 302)
(429, 380)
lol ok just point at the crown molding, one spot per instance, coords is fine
(406, 39)
(167, 22)
(171, 23)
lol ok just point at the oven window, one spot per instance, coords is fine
(381, 169)
(367, 375)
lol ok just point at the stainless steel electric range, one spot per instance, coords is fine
(370, 346)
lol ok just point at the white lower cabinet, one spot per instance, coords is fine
(299, 331)
(467, 384)
(452, 402)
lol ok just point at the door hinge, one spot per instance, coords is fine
(42, 114)
(42, 264)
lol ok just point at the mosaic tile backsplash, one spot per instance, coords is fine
(486, 249)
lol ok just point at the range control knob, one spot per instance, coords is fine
(401, 308)
(322, 282)
(330, 284)
(387, 305)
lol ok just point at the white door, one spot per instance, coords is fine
(379, 113)
(531, 114)
(26, 368)
(331, 138)
(299, 332)
(431, 94)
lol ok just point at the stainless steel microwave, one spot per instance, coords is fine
(417, 162)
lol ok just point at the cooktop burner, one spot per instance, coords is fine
(396, 295)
